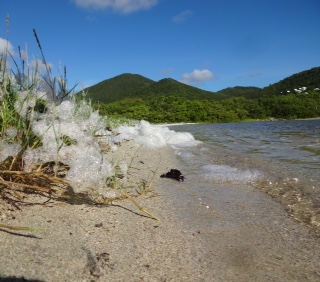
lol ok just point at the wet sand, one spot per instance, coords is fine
(239, 234)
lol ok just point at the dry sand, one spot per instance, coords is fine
(243, 236)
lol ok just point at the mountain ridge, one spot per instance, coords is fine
(117, 87)
(129, 85)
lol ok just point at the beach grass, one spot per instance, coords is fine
(44, 182)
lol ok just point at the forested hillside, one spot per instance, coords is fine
(241, 91)
(167, 100)
(309, 79)
(171, 87)
(116, 88)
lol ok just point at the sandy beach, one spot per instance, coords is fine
(244, 236)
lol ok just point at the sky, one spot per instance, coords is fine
(209, 44)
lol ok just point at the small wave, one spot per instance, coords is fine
(225, 173)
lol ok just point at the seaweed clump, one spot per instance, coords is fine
(174, 174)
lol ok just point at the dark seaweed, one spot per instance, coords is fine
(174, 174)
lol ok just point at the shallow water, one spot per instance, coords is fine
(291, 146)
(280, 158)
(243, 184)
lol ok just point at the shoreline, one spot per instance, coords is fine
(242, 121)
(244, 236)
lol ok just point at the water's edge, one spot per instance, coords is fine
(295, 186)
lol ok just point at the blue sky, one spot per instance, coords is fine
(210, 44)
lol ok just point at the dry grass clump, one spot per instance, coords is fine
(46, 184)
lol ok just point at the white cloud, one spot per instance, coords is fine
(198, 77)
(6, 45)
(182, 17)
(122, 6)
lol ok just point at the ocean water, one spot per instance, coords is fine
(242, 152)
(280, 158)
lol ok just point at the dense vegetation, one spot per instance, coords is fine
(171, 101)
(178, 109)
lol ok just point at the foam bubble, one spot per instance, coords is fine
(68, 137)
(154, 136)
(8, 150)
(26, 100)
(225, 173)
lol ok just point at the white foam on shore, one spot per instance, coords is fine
(225, 173)
(154, 136)
(68, 137)
(68, 133)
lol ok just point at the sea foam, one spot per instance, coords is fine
(225, 173)
(154, 136)
(68, 134)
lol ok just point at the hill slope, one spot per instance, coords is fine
(241, 91)
(171, 87)
(309, 78)
(116, 88)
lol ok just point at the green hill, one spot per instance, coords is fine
(136, 86)
(241, 91)
(116, 88)
(309, 79)
(171, 87)
(171, 101)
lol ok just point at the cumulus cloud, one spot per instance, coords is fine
(198, 77)
(122, 6)
(182, 17)
(6, 45)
